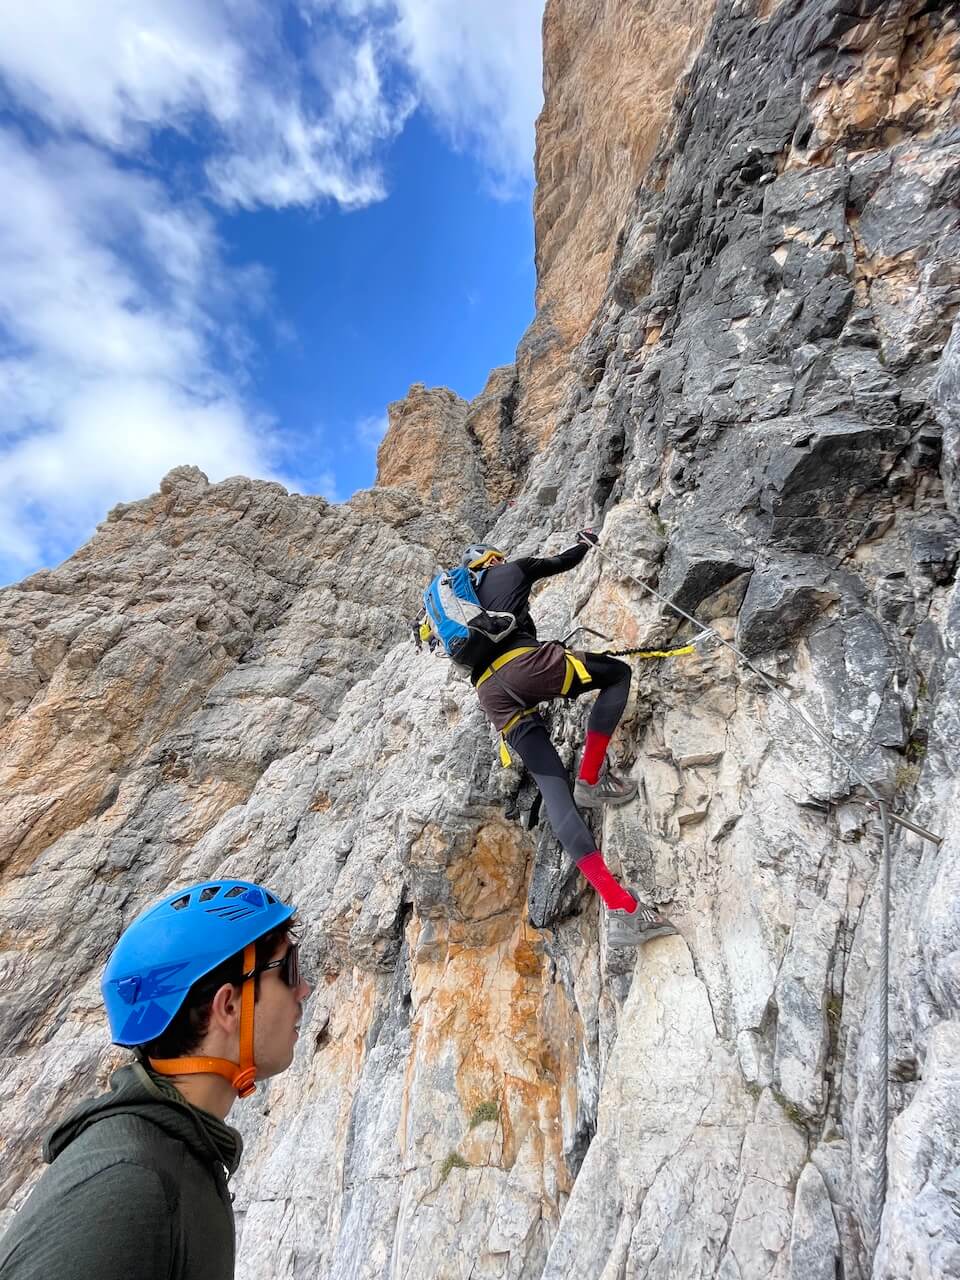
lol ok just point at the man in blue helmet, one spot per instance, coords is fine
(206, 987)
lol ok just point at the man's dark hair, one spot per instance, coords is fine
(192, 1019)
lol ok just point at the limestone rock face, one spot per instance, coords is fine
(610, 71)
(459, 456)
(147, 687)
(761, 421)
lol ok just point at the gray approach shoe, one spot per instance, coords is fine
(608, 789)
(626, 930)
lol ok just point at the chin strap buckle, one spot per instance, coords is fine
(245, 1082)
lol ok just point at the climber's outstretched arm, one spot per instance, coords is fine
(537, 567)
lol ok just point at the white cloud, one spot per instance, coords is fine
(111, 441)
(287, 159)
(282, 125)
(110, 67)
(370, 431)
(326, 485)
(111, 303)
(478, 65)
(474, 64)
(123, 329)
(66, 291)
(117, 71)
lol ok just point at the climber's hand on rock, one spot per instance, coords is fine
(589, 537)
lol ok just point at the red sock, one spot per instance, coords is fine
(613, 893)
(594, 749)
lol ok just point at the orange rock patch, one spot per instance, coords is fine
(488, 1005)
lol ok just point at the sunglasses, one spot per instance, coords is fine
(288, 964)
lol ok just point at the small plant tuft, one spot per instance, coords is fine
(794, 1114)
(484, 1112)
(791, 1110)
(452, 1160)
(906, 776)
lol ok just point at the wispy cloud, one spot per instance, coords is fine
(111, 69)
(309, 456)
(116, 71)
(124, 329)
(286, 125)
(475, 65)
(370, 431)
(479, 71)
(326, 485)
(114, 312)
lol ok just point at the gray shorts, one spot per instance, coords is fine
(521, 684)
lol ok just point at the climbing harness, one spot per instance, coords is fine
(886, 818)
(774, 685)
(502, 662)
(574, 668)
(506, 759)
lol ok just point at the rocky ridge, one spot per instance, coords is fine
(458, 456)
(762, 418)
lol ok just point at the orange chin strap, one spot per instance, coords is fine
(242, 1075)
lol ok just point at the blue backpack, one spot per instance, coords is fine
(453, 614)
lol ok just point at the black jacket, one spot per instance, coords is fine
(136, 1189)
(505, 588)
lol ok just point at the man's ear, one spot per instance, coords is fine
(225, 1008)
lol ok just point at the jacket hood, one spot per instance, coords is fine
(135, 1091)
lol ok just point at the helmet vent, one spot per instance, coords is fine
(209, 892)
(235, 912)
(178, 904)
(237, 891)
(270, 898)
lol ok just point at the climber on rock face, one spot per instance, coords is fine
(523, 672)
(206, 988)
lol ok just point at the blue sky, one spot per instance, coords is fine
(234, 232)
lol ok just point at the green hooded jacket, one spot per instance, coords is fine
(136, 1189)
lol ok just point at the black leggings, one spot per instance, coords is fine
(532, 744)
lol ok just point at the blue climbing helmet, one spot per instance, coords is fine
(174, 943)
